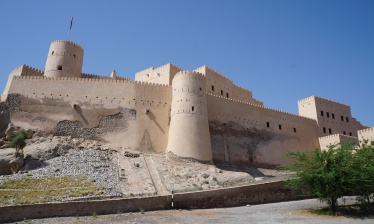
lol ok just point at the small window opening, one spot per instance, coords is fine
(327, 114)
(321, 113)
(330, 132)
(158, 74)
(227, 95)
(344, 133)
(193, 108)
(53, 52)
(280, 127)
(74, 55)
(333, 116)
(294, 130)
(342, 118)
(324, 130)
(147, 75)
(201, 89)
(59, 67)
(347, 119)
(268, 124)
(224, 124)
(350, 133)
(212, 88)
(222, 92)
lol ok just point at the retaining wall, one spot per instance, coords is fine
(228, 197)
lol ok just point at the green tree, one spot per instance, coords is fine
(17, 139)
(326, 175)
(362, 174)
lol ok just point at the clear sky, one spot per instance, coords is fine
(282, 50)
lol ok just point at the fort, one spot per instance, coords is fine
(200, 114)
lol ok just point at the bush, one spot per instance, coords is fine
(339, 171)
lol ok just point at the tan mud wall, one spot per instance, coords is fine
(240, 133)
(228, 197)
(334, 117)
(87, 100)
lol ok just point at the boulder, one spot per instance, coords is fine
(32, 164)
(9, 162)
(45, 150)
(4, 120)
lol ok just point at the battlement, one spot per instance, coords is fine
(337, 136)
(190, 74)
(66, 41)
(371, 129)
(255, 105)
(34, 70)
(212, 70)
(101, 80)
(93, 76)
(317, 97)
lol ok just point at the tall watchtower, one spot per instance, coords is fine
(189, 135)
(65, 59)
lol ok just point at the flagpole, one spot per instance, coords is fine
(71, 24)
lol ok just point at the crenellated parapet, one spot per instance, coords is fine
(259, 106)
(317, 97)
(66, 41)
(93, 76)
(371, 129)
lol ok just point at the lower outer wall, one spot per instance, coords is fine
(228, 197)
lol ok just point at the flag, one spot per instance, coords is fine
(71, 22)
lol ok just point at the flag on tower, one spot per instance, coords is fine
(71, 22)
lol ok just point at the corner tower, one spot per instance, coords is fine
(65, 59)
(189, 135)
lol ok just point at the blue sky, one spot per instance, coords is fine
(282, 50)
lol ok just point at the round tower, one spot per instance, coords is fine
(65, 59)
(189, 135)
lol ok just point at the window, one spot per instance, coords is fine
(59, 67)
(212, 88)
(280, 127)
(321, 113)
(222, 92)
(347, 119)
(343, 132)
(268, 124)
(330, 132)
(201, 89)
(294, 130)
(350, 133)
(227, 95)
(324, 130)
(53, 52)
(342, 118)
(193, 108)
(333, 116)
(327, 114)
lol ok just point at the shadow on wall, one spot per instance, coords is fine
(234, 143)
(78, 110)
(153, 118)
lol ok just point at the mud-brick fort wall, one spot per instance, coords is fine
(160, 75)
(88, 100)
(366, 134)
(329, 140)
(247, 133)
(189, 130)
(332, 117)
(219, 85)
(65, 59)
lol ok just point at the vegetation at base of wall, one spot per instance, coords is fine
(39, 190)
(17, 139)
(339, 171)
